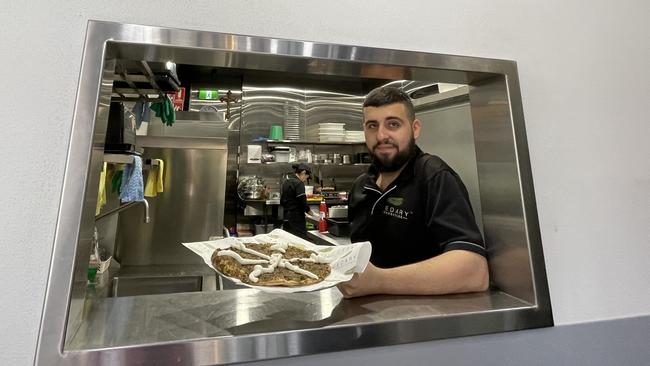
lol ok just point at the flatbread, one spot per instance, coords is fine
(231, 267)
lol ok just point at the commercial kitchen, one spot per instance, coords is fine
(217, 121)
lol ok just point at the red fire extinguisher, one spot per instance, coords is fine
(322, 223)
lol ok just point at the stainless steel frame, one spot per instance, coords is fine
(501, 153)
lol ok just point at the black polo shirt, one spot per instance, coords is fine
(423, 213)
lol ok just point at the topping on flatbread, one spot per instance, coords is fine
(271, 264)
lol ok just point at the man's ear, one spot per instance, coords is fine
(417, 126)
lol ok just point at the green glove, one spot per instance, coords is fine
(170, 114)
(165, 111)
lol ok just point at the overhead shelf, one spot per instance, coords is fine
(314, 164)
(137, 80)
(302, 142)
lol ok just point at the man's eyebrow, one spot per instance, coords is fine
(387, 118)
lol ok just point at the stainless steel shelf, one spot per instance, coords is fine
(302, 142)
(312, 164)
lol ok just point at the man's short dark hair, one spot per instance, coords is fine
(385, 95)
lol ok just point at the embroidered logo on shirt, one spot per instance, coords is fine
(397, 212)
(395, 201)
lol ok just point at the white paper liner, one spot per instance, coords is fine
(345, 259)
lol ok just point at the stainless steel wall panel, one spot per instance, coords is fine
(190, 209)
(333, 106)
(266, 106)
(503, 215)
(448, 132)
(89, 183)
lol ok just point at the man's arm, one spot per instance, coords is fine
(455, 271)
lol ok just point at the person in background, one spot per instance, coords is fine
(414, 210)
(294, 201)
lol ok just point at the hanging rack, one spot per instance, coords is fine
(128, 159)
(150, 92)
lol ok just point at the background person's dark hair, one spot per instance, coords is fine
(299, 168)
(385, 95)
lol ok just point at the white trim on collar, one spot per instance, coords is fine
(379, 199)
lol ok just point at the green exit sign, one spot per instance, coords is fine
(208, 94)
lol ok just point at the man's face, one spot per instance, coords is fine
(390, 136)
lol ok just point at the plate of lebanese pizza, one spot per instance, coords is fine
(282, 262)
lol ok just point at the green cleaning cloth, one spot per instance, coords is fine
(165, 111)
(116, 182)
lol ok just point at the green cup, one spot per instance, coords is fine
(275, 133)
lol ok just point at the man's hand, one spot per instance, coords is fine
(366, 283)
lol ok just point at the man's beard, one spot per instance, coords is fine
(396, 162)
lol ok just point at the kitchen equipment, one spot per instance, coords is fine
(338, 227)
(263, 228)
(268, 158)
(281, 154)
(346, 158)
(339, 211)
(291, 121)
(327, 132)
(304, 155)
(120, 132)
(336, 158)
(250, 188)
(293, 155)
(354, 136)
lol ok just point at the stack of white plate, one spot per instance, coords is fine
(354, 136)
(327, 132)
(291, 123)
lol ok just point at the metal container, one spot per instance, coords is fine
(338, 227)
(338, 212)
(282, 154)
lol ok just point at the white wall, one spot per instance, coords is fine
(585, 83)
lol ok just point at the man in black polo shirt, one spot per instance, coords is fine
(414, 209)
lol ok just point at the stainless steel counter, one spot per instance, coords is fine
(326, 238)
(126, 321)
(161, 279)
